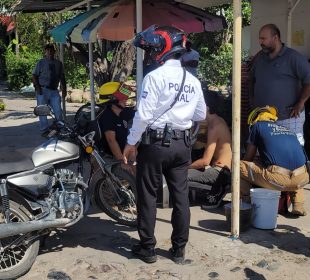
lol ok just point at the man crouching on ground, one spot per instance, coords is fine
(283, 161)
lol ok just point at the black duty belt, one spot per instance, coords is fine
(157, 134)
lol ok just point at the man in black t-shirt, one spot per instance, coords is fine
(114, 126)
(114, 120)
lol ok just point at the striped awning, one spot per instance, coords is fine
(116, 21)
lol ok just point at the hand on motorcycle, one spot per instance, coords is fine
(130, 153)
(130, 168)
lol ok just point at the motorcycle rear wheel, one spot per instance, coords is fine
(17, 261)
(105, 197)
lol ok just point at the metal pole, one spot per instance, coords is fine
(91, 75)
(236, 112)
(291, 8)
(16, 35)
(139, 51)
(61, 58)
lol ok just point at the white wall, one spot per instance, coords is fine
(275, 11)
(246, 39)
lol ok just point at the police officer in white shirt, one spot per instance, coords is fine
(164, 128)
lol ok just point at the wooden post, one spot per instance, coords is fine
(91, 75)
(236, 112)
(62, 59)
(139, 51)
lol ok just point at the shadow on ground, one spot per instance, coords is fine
(92, 232)
(285, 237)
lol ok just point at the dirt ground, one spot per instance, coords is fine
(99, 248)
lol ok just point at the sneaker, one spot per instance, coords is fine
(147, 255)
(213, 199)
(177, 255)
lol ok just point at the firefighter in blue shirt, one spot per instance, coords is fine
(282, 163)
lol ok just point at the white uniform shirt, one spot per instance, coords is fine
(158, 91)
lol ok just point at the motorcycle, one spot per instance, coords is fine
(49, 191)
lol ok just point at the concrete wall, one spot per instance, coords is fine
(275, 11)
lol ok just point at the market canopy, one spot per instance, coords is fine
(58, 5)
(117, 21)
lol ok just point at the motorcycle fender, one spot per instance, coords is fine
(20, 199)
(95, 177)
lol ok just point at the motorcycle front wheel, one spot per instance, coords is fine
(16, 256)
(118, 201)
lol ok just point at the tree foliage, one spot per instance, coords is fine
(19, 68)
(216, 48)
(5, 5)
(33, 30)
(109, 62)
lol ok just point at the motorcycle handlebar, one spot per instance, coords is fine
(62, 130)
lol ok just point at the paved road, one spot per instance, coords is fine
(19, 128)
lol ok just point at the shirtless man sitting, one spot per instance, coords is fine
(210, 174)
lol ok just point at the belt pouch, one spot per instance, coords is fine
(187, 137)
(146, 137)
(159, 134)
(166, 142)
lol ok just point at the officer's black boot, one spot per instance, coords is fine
(147, 255)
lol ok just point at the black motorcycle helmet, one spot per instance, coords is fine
(162, 42)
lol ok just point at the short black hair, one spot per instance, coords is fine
(273, 28)
(49, 47)
(212, 100)
(188, 44)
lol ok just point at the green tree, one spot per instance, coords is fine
(215, 48)
(5, 5)
(19, 68)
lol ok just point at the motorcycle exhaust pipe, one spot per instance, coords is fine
(12, 229)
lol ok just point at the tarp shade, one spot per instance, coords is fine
(117, 21)
(61, 32)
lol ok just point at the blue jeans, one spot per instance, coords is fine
(52, 98)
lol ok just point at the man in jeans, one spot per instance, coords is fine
(283, 161)
(46, 76)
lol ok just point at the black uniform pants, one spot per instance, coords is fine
(153, 161)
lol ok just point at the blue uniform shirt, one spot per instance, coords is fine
(278, 81)
(277, 145)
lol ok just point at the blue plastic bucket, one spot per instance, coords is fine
(265, 204)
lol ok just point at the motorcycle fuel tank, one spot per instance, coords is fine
(54, 151)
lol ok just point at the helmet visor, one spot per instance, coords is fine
(147, 39)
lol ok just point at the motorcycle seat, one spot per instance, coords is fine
(11, 167)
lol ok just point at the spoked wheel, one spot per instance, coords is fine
(16, 256)
(118, 202)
